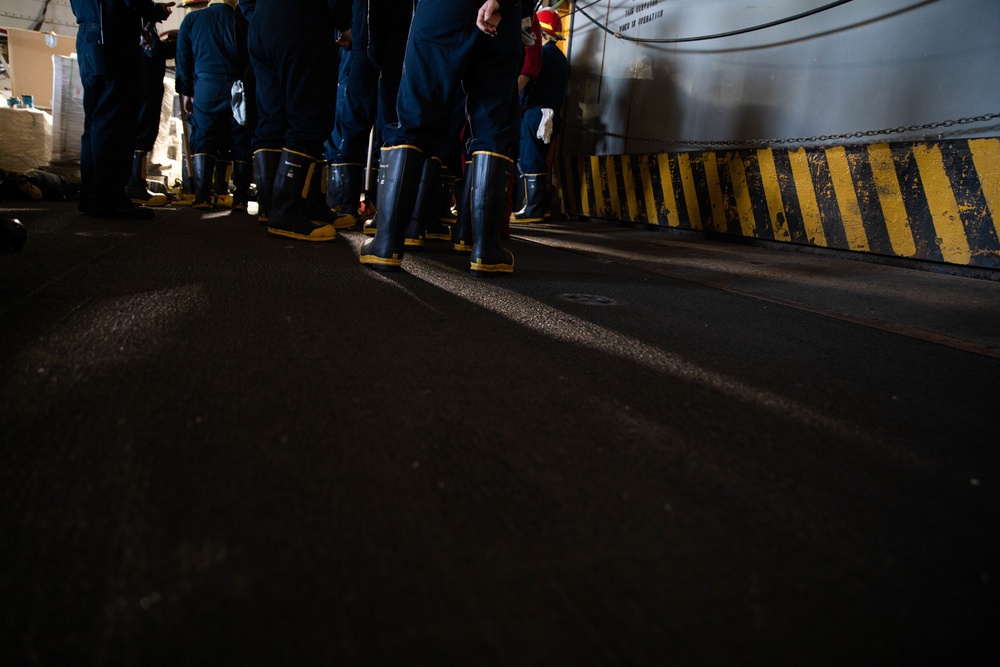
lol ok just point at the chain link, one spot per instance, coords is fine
(819, 139)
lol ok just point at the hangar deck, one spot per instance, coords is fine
(643, 448)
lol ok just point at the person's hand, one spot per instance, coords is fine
(489, 17)
(345, 39)
(187, 103)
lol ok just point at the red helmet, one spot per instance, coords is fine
(551, 22)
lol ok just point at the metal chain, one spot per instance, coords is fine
(819, 139)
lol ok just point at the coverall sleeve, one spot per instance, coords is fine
(184, 62)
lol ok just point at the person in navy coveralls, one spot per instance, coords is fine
(290, 45)
(209, 61)
(111, 73)
(454, 45)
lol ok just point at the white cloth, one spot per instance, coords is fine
(545, 127)
(239, 103)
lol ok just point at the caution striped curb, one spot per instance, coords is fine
(935, 201)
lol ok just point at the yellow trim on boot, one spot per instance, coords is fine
(491, 153)
(309, 176)
(155, 199)
(345, 221)
(478, 267)
(410, 146)
(395, 260)
(324, 233)
(289, 150)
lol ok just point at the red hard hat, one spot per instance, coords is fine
(551, 22)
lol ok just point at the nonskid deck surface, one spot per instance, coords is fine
(637, 449)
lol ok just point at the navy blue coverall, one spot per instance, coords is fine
(154, 67)
(447, 57)
(208, 63)
(290, 46)
(373, 80)
(111, 72)
(547, 91)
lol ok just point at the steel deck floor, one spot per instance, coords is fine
(640, 449)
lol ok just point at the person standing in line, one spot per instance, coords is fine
(111, 72)
(542, 101)
(156, 51)
(379, 29)
(453, 45)
(296, 99)
(208, 63)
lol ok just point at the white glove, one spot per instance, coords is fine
(545, 127)
(239, 102)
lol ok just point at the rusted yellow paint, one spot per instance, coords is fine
(595, 175)
(690, 194)
(952, 240)
(811, 219)
(986, 156)
(609, 169)
(772, 194)
(741, 191)
(667, 185)
(648, 196)
(715, 192)
(847, 199)
(890, 196)
(630, 201)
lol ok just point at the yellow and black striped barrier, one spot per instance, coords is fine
(935, 201)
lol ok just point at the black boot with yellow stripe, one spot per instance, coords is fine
(490, 175)
(399, 182)
(203, 166)
(370, 203)
(315, 205)
(461, 231)
(220, 190)
(290, 212)
(536, 197)
(265, 165)
(242, 177)
(138, 191)
(343, 192)
(423, 208)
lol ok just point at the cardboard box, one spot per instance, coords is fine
(67, 108)
(31, 62)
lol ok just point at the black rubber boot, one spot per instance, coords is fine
(368, 208)
(292, 183)
(399, 182)
(535, 199)
(446, 196)
(265, 165)
(138, 191)
(315, 203)
(203, 166)
(519, 192)
(488, 202)
(346, 198)
(461, 232)
(242, 176)
(435, 227)
(423, 209)
(220, 187)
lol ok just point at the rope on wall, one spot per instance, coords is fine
(801, 141)
(700, 38)
(41, 15)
